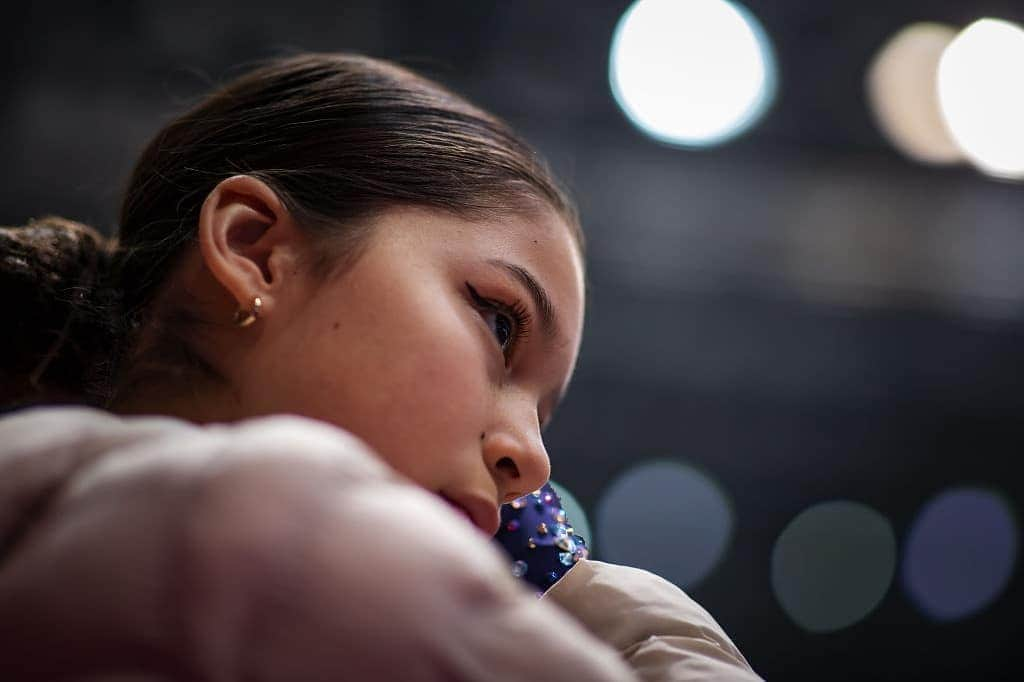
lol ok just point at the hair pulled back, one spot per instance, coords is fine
(338, 136)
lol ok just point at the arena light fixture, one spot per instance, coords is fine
(691, 74)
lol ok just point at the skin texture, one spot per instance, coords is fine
(395, 349)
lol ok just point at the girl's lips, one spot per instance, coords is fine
(483, 515)
(459, 509)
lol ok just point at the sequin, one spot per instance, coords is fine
(553, 547)
(581, 553)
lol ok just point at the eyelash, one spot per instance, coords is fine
(517, 314)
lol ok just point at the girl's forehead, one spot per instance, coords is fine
(540, 251)
(541, 238)
(536, 251)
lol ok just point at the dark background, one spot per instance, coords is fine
(801, 312)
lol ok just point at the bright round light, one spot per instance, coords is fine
(903, 91)
(982, 98)
(960, 553)
(832, 565)
(691, 73)
(668, 518)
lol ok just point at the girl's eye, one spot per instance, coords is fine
(511, 322)
(502, 329)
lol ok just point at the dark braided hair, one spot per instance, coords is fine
(339, 137)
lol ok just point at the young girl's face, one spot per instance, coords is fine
(445, 347)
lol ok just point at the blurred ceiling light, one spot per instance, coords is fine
(982, 98)
(668, 518)
(691, 74)
(833, 564)
(902, 89)
(961, 552)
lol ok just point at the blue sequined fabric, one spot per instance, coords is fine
(537, 535)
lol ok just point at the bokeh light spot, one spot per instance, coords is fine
(960, 553)
(692, 73)
(833, 564)
(668, 518)
(981, 95)
(902, 87)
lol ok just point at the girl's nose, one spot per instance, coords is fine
(518, 461)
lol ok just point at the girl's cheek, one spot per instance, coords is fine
(458, 377)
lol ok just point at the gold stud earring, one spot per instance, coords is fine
(243, 318)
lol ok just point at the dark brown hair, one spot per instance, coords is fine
(338, 137)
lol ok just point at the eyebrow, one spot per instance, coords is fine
(541, 300)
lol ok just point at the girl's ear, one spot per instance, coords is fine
(248, 239)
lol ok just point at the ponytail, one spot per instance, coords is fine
(61, 316)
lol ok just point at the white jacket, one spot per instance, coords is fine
(283, 548)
